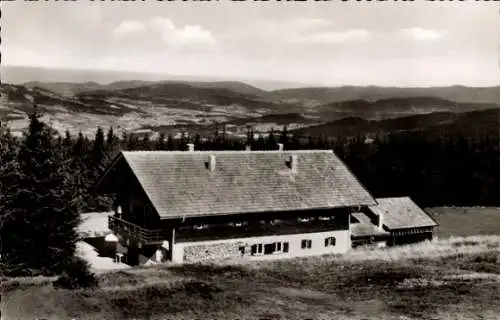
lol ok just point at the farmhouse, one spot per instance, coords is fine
(186, 206)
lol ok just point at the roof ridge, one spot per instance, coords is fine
(228, 151)
(389, 198)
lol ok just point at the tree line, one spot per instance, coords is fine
(45, 178)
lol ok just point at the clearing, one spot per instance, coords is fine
(456, 277)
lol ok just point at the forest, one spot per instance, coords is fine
(450, 170)
(46, 179)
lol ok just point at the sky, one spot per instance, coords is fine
(333, 43)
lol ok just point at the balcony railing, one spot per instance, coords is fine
(225, 231)
(132, 231)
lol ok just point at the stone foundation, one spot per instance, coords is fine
(217, 251)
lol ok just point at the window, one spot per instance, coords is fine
(306, 244)
(325, 218)
(330, 241)
(256, 249)
(269, 248)
(236, 224)
(304, 219)
(285, 246)
(278, 246)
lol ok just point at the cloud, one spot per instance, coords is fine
(332, 37)
(164, 30)
(189, 34)
(296, 31)
(421, 34)
(310, 23)
(277, 28)
(127, 28)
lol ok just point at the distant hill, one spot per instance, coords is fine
(133, 106)
(26, 74)
(396, 107)
(437, 123)
(204, 94)
(372, 93)
(173, 106)
(69, 89)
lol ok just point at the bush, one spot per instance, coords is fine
(76, 275)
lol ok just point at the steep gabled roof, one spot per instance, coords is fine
(180, 184)
(402, 213)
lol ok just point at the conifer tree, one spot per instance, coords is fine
(261, 143)
(145, 142)
(98, 155)
(271, 143)
(294, 143)
(124, 140)
(80, 167)
(284, 138)
(160, 142)
(132, 142)
(250, 141)
(38, 223)
(197, 140)
(183, 141)
(98, 163)
(110, 139)
(170, 143)
(67, 142)
(8, 175)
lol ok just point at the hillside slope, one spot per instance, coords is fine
(451, 279)
(436, 123)
(131, 107)
(171, 107)
(70, 88)
(322, 95)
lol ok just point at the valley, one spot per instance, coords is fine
(173, 107)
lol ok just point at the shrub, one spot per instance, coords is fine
(76, 275)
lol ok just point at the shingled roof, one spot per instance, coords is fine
(181, 184)
(364, 226)
(402, 213)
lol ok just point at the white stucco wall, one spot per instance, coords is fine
(230, 248)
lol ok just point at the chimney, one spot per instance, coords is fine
(190, 147)
(280, 146)
(293, 163)
(211, 163)
(248, 147)
(379, 220)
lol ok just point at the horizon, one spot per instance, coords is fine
(268, 84)
(332, 44)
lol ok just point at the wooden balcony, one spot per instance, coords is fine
(284, 227)
(132, 231)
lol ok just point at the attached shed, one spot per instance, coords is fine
(404, 219)
(364, 231)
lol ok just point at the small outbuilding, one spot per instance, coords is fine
(395, 221)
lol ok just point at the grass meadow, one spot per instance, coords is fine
(456, 277)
